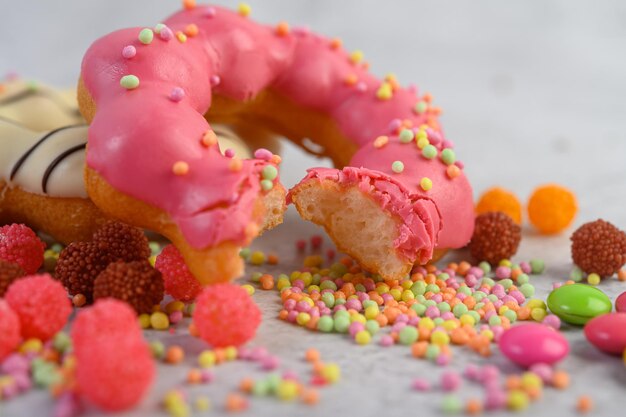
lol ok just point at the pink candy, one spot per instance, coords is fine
(606, 332)
(620, 303)
(533, 343)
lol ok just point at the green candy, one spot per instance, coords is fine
(578, 303)
(429, 152)
(408, 335)
(406, 136)
(146, 36)
(269, 172)
(372, 326)
(342, 324)
(448, 156)
(328, 299)
(325, 324)
(537, 266)
(129, 82)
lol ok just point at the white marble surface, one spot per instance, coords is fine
(533, 92)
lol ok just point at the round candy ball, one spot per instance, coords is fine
(116, 374)
(606, 332)
(578, 303)
(42, 305)
(533, 343)
(225, 315)
(114, 365)
(599, 247)
(9, 329)
(500, 199)
(496, 237)
(552, 208)
(179, 282)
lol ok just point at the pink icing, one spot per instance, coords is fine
(137, 135)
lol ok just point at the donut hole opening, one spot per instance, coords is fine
(358, 225)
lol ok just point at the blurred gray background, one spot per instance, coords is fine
(532, 92)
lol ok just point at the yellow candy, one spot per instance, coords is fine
(207, 359)
(358, 317)
(426, 323)
(396, 294)
(287, 390)
(466, 319)
(536, 303)
(144, 321)
(202, 404)
(356, 56)
(249, 288)
(231, 353)
(303, 318)
(439, 338)
(450, 324)
(31, 346)
(331, 372)
(488, 334)
(407, 295)
(371, 312)
(159, 321)
(313, 260)
(531, 380)
(538, 314)
(244, 9)
(257, 258)
(363, 337)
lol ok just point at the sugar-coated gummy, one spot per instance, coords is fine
(225, 315)
(42, 305)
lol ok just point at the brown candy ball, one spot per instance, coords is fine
(137, 283)
(599, 247)
(496, 237)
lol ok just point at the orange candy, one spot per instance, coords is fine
(584, 404)
(552, 208)
(267, 281)
(500, 199)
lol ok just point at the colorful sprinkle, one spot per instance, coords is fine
(381, 141)
(429, 152)
(282, 29)
(420, 107)
(453, 171)
(159, 27)
(448, 156)
(406, 136)
(244, 9)
(384, 92)
(145, 36)
(180, 168)
(129, 51)
(356, 56)
(177, 94)
(182, 38)
(129, 82)
(191, 30)
(166, 34)
(269, 172)
(267, 185)
(397, 167)
(209, 138)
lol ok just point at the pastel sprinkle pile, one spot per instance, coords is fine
(428, 310)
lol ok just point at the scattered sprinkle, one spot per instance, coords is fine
(129, 51)
(146, 36)
(129, 82)
(426, 183)
(244, 9)
(397, 167)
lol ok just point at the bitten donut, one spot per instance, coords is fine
(151, 160)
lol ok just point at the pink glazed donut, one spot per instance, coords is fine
(398, 198)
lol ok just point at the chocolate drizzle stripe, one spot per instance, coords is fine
(57, 161)
(25, 156)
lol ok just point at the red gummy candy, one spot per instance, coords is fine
(114, 365)
(20, 245)
(114, 375)
(9, 330)
(179, 282)
(41, 304)
(107, 319)
(225, 315)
